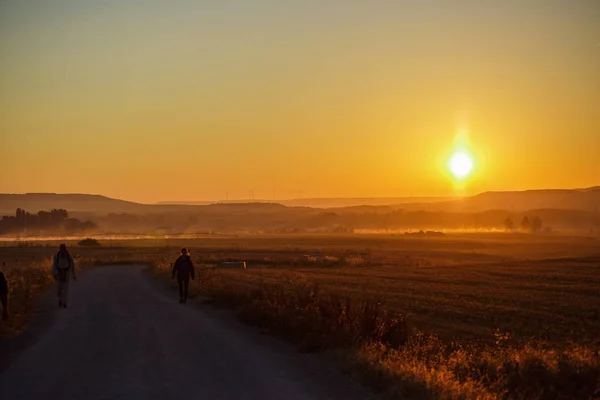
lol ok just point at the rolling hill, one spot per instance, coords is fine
(326, 202)
(97, 204)
(34, 202)
(559, 199)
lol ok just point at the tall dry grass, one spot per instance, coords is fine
(25, 283)
(426, 367)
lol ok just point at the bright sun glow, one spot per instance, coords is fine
(461, 165)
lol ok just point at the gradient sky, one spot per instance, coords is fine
(187, 100)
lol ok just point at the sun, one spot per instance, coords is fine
(461, 164)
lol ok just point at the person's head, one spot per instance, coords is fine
(184, 252)
(63, 247)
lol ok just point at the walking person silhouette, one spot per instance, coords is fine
(184, 269)
(62, 268)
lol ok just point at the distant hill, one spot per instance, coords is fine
(325, 202)
(587, 199)
(97, 204)
(591, 189)
(34, 202)
(559, 199)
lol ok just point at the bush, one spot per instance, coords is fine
(89, 242)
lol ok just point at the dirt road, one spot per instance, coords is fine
(122, 338)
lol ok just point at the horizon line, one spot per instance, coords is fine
(275, 201)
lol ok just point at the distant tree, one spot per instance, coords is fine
(73, 225)
(43, 221)
(88, 225)
(20, 215)
(45, 215)
(508, 224)
(20, 220)
(526, 224)
(58, 214)
(536, 224)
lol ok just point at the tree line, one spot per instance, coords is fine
(53, 221)
(528, 225)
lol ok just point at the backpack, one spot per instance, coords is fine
(63, 262)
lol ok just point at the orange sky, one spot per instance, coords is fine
(154, 100)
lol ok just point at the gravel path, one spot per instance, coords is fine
(122, 338)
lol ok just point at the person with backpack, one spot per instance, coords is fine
(4, 294)
(183, 268)
(61, 269)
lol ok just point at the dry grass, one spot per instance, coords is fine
(24, 285)
(468, 317)
(428, 368)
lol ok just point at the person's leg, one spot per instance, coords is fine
(59, 288)
(65, 291)
(185, 290)
(180, 283)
